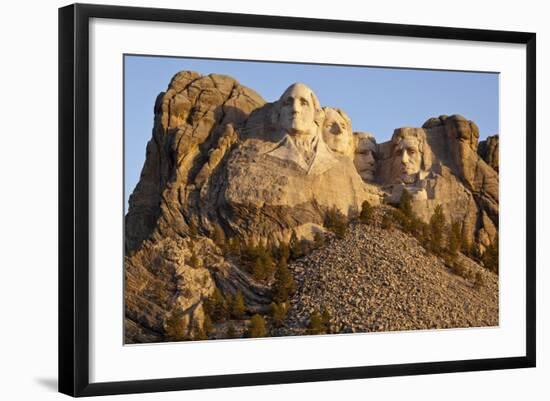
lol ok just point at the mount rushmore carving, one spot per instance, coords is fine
(222, 159)
(222, 156)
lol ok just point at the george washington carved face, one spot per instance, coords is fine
(299, 109)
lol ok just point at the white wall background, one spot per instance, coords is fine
(28, 200)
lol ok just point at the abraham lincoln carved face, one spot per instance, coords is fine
(408, 148)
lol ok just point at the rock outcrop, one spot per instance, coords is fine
(439, 165)
(194, 128)
(488, 150)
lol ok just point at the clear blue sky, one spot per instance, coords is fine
(378, 100)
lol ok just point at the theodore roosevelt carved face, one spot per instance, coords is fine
(365, 155)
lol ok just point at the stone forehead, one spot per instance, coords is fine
(297, 88)
(401, 134)
(331, 112)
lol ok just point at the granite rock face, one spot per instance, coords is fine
(439, 165)
(489, 151)
(194, 128)
(224, 162)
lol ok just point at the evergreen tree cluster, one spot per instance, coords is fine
(219, 308)
(440, 237)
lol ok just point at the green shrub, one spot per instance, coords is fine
(367, 213)
(336, 222)
(238, 306)
(405, 204)
(318, 239)
(478, 280)
(316, 324)
(386, 221)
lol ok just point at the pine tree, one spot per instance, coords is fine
(193, 231)
(454, 238)
(208, 326)
(256, 327)
(238, 307)
(326, 319)
(386, 221)
(405, 203)
(316, 325)
(216, 306)
(367, 213)
(235, 246)
(284, 285)
(230, 333)
(219, 237)
(283, 253)
(490, 257)
(437, 230)
(258, 269)
(336, 222)
(278, 313)
(478, 280)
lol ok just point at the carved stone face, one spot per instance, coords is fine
(406, 159)
(364, 159)
(337, 132)
(298, 110)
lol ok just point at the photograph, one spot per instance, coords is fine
(280, 199)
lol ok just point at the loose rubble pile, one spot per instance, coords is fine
(378, 279)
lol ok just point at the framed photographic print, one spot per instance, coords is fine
(290, 200)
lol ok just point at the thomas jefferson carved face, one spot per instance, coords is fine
(337, 132)
(298, 110)
(407, 153)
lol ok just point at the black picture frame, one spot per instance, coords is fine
(74, 198)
